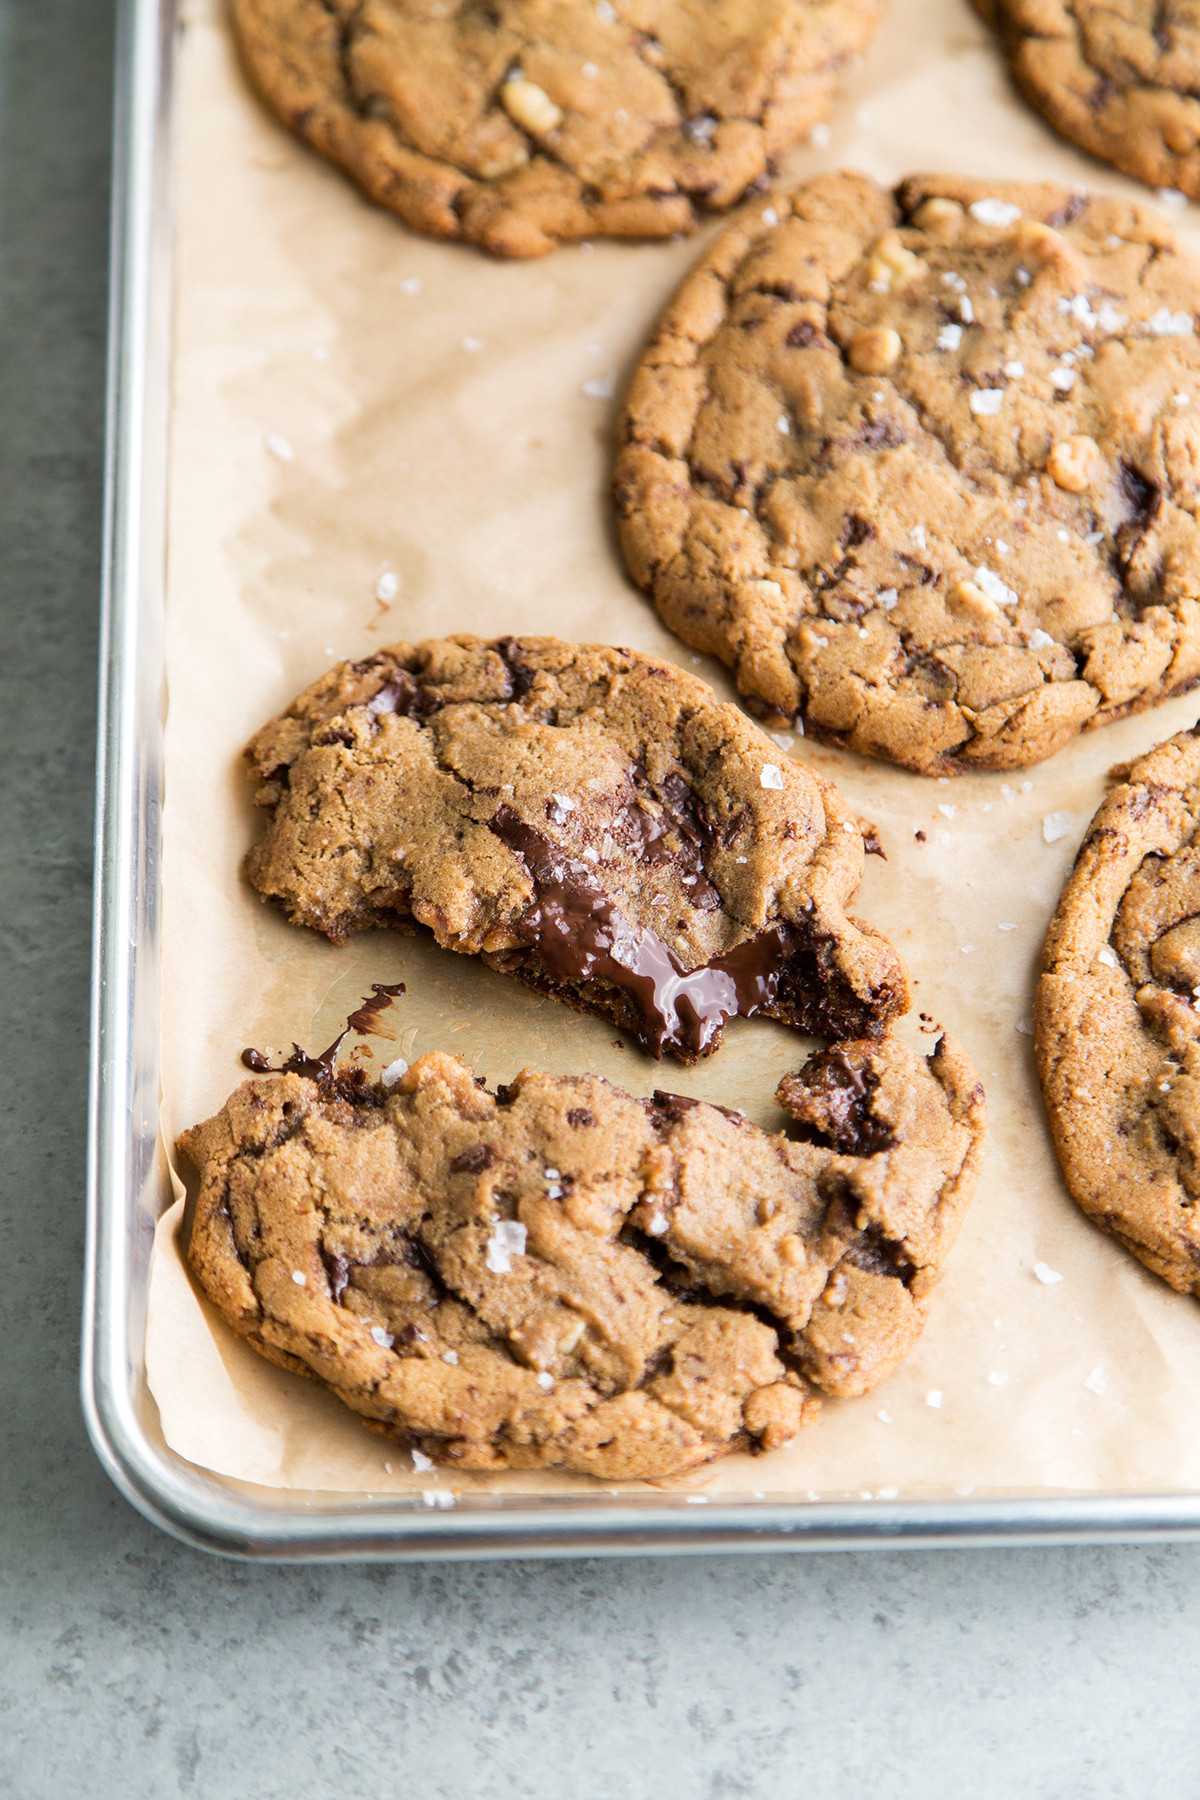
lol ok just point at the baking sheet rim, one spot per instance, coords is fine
(125, 1166)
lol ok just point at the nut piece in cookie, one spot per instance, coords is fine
(588, 820)
(561, 1276)
(920, 465)
(1120, 81)
(518, 125)
(1118, 1015)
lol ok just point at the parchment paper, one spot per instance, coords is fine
(353, 402)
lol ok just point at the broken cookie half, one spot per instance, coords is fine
(1118, 1015)
(559, 1275)
(589, 820)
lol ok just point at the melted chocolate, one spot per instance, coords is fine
(320, 1068)
(473, 1161)
(364, 1018)
(407, 697)
(680, 836)
(831, 1102)
(667, 1109)
(671, 1107)
(580, 935)
(313, 1068)
(519, 678)
(337, 1272)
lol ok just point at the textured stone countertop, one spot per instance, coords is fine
(134, 1668)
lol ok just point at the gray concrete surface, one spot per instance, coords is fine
(133, 1668)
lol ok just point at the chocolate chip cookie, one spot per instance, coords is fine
(921, 465)
(1118, 1015)
(560, 1276)
(1120, 79)
(589, 820)
(523, 123)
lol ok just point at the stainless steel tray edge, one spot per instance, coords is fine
(124, 1181)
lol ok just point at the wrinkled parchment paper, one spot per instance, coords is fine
(376, 437)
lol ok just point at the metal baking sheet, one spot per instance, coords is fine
(128, 1178)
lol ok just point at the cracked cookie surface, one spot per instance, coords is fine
(591, 821)
(921, 466)
(1118, 1015)
(524, 123)
(561, 1276)
(1119, 78)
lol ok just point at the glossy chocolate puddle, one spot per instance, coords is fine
(580, 935)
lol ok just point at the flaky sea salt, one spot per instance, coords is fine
(383, 1338)
(600, 387)
(994, 212)
(770, 216)
(917, 534)
(934, 1397)
(771, 776)
(1096, 1382)
(949, 337)
(1107, 957)
(545, 1381)
(450, 1356)
(997, 1378)
(507, 1240)
(888, 598)
(388, 586)
(433, 1497)
(819, 136)
(1062, 379)
(783, 425)
(300, 1278)
(1056, 825)
(1014, 370)
(1046, 1275)
(997, 590)
(420, 1462)
(394, 1072)
(1040, 640)
(1165, 323)
(279, 446)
